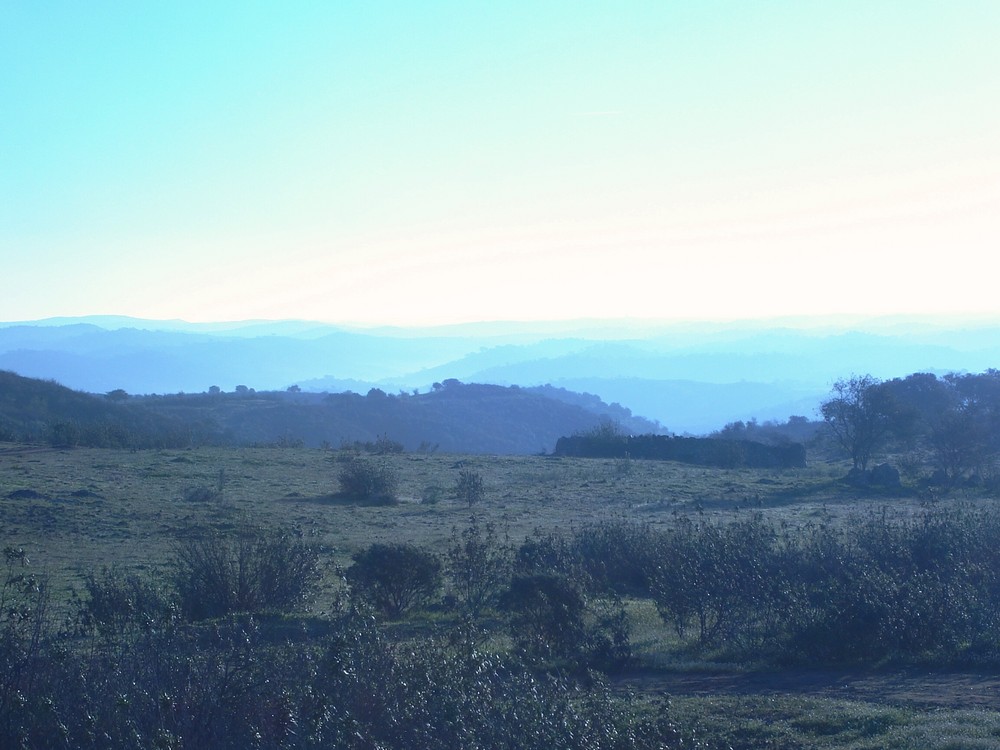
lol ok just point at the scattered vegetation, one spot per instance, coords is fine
(211, 624)
(382, 446)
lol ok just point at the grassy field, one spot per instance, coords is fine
(81, 509)
(78, 510)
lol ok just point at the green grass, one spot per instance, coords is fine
(80, 510)
(776, 721)
(97, 507)
(138, 498)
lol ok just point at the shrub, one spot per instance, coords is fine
(469, 489)
(202, 494)
(478, 566)
(253, 570)
(609, 638)
(372, 481)
(616, 555)
(394, 578)
(726, 579)
(551, 622)
(457, 695)
(25, 626)
(120, 604)
(432, 494)
(546, 617)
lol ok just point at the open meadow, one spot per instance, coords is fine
(80, 509)
(77, 511)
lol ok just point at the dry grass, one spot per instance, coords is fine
(79, 510)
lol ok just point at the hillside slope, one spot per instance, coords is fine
(459, 418)
(455, 417)
(41, 410)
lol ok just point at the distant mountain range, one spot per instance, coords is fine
(691, 378)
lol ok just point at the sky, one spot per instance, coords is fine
(415, 163)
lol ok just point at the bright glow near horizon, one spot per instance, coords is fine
(414, 163)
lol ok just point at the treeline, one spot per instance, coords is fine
(949, 424)
(455, 417)
(796, 429)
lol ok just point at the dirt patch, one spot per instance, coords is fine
(905, 687)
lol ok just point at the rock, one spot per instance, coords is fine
(885, 475)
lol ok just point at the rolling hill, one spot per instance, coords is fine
(692, 378)
(454, 417)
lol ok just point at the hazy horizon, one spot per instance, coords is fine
(618, 327)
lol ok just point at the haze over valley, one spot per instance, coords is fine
(690, 378)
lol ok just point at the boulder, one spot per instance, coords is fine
(885, 475)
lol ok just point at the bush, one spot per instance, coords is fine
(432, 494)
(617, 556)
(119, 605)
(457, 695)
(725, 579)
(478, 566)
(254, 570)
(551, 554)
(394, 578)
(551, 622)
(363, 479)
(546, 617)
(25, 626)
(470, 489)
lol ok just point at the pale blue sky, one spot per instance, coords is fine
(422, 162)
